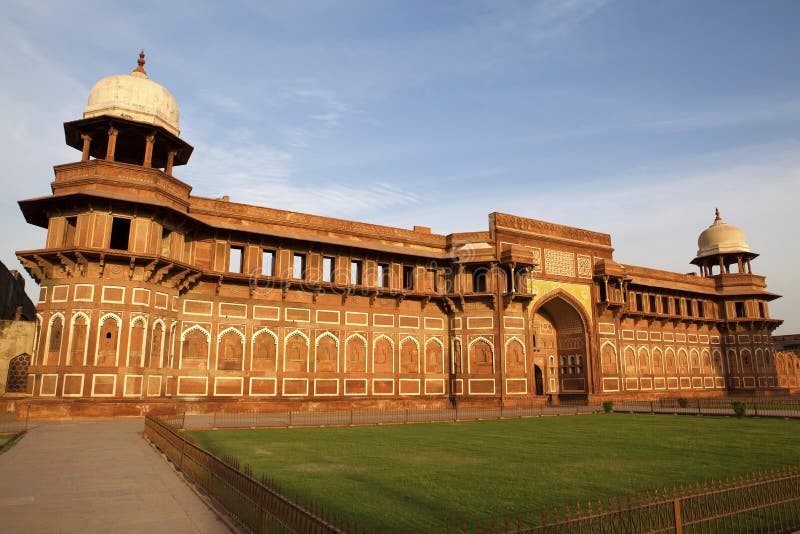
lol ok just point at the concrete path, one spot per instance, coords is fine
(95, 476)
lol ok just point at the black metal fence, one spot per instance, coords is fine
(763, 502)
(752, 406)
(10, 423)
(256, 504)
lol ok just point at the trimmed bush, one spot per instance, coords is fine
(739, 408)
(608, 406)
(683, 402)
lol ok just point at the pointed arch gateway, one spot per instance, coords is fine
(561, 329)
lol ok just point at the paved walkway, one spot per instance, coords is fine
(95, 476)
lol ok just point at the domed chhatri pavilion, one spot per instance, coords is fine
(151, 296)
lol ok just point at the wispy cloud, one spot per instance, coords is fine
(536, 22)
(262, 175)
(224, 102)
(331, 106)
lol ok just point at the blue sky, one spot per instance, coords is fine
(635, 118)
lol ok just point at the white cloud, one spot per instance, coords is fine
(262, 175)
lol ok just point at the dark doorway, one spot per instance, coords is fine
(537, 380)
(120, 233)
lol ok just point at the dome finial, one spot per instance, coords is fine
(716, 213)
(140, 61)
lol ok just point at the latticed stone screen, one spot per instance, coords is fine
(17, 381)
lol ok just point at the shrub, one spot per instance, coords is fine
(608, 406)
(683, 402)
(739, 408)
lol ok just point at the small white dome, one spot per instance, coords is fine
(721, 238)
(134, 97)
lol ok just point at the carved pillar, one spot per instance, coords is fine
(722, 269)
(749, 269)
(170, 160)
(148, 150)
(87, 145)
(739, 263)
(460, 278)
(112, 143)
(513, 278)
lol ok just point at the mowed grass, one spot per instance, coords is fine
(6, 439)
(404, 477)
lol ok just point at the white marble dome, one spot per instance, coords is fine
(134, 97)
(721, 238)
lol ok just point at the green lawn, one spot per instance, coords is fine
(404, 477)
(5, 439)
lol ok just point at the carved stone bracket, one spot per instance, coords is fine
(189, 282)
(176, 279)
(33, 269)
(425, 300)
(68, 264)
(148, 270)
(83, 263)
(160, 273)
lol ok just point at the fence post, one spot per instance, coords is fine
(27, 415)
(698, 407)
(290, 418)
(676, 507)
(183, 446)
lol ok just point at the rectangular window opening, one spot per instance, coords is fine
(299, 266)
(762, 309)
(408, 277)
(652, 299)
(268, 262)
(235, 257)
(740, 309)
(69, 231)
(479, 280)
(120, 233)
(690, 308)
(383, 275)
(665, 305)
(356, 273)
(677, 306)
(701, 309)
(639, 302)
(328, 266)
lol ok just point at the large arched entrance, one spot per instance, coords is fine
(560, 337)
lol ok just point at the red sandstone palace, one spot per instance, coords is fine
(149, 293)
